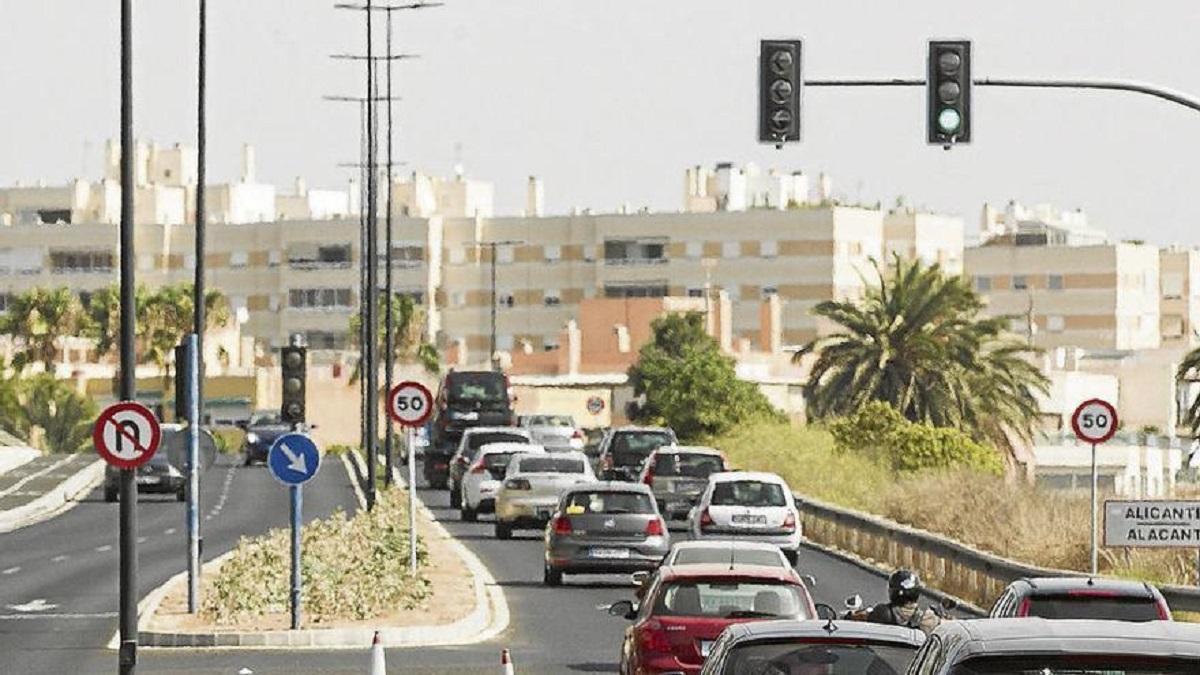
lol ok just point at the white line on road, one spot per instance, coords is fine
(142, 540)
(59, 558)
(56, 617)
(102, 549)
(11, 570)
(170, 531)
(21, 483)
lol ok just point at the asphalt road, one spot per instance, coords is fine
(553, 630)
(58, 579)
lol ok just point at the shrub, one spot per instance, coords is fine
(880, 432)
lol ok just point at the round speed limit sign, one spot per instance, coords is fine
(1094, 421)
(410, 403)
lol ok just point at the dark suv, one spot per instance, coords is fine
(623, 450)
(465, 399)
(1082, 598)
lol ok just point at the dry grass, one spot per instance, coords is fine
(1043, 527)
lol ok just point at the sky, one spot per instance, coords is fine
(608, 101)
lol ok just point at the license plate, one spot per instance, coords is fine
(705, 647)
(610, 553)
(146, 480)
(750, 519)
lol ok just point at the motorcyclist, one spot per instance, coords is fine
(904, 592)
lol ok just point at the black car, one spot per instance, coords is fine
(164, 472)
(624, 450)
(465, 399)
(1082, 598)
(798, 646)
(261, 431)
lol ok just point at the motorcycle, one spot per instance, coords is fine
(856, 610)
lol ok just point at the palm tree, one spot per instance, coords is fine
(37, 319)
(167, 316)
(916, 340)
(1189, 371)
(409, 339)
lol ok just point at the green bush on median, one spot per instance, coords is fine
(351, 569)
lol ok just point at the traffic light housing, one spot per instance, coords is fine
(948, 92)
(294, 362)
(779, 85)
(183, 385)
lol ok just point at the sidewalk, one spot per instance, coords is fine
(45, 486)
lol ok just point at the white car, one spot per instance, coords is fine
(554, 431)
(749, 506)
(482, 480)
(726, 552)
(532, 487)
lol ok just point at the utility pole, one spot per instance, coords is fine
(199, 320)
(491, 245)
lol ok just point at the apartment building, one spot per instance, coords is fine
(1180, 303)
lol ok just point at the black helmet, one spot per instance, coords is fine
(904, 586)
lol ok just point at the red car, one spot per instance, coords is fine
(687, 607)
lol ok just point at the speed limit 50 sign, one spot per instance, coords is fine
(410, 403)
(1094, 421)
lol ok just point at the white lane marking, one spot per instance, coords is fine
(11, 570)
(170, 531)
(21, 483)
(56, 617)
(141, 540)
(38, 605)
(102, 549)
(59, 558)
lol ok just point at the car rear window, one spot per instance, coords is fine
(598, 501)
(551, 421)
(497, 463)
(748, 493)
(700, 556)
(688, 465)
(476, 441)
(637, 445)
(731, 599)
(793, 656)
(482, 387)
(1082, 606)
(551, 465)
(1090, 664)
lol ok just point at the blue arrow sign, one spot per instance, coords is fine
(294, 458)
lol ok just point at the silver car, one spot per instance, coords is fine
(556, 432)
(604, 528)
(531, 488)
(678, 475)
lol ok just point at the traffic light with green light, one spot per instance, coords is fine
(779, 85)
(948, 91)
(295, 361)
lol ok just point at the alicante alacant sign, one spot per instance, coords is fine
(1152, 524)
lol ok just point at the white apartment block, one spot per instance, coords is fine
(1179, 276)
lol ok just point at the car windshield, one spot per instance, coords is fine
(731, 599)
(551, 465)
(476, 441)
(477, 387)
(581, 503)
(700, 556)
(639, 443)
(688, 465)
(748, 493)
(265, 419)
(1071, 664)
(550, 421)
(1081, 606)
(790, 658)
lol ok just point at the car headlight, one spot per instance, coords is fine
(173, 472)
(252, 438)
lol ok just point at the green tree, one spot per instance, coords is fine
(408, 339)
(37, 319)
(686, 383)
(64, 414)
(917, 341)
(1189, 371)
(878, 431)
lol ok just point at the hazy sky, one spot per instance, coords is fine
(610, 100)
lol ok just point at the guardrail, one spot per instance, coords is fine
(948, 565)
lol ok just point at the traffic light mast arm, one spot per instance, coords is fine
(1177, 97)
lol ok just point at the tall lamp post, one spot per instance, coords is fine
(492, 245)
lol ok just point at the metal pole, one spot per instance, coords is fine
(372, 327)
(294, 596)
(492, 354)
(193, 473)
(198, 289)
(1095, 550)
(389, 338)
(410, 443)
(127, 654)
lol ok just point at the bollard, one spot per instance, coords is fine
(506, 665)
(378, 665)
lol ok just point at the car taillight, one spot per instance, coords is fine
(562, 525)
(705, 519)
(578, 434)
(1164, 612)
(649, 479)
(1023, 609)
(654, 638)
(654, 528)
(478, 467)
(517, 484)
(789, 521)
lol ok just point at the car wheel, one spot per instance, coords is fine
(468, 514)
(551, 576)
(503, 530)
(247, 461)
(455, 498)
(110, 493)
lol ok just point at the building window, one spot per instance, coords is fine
(239, 259)
(81, 261)
(458, 299)
(589, 253)
(505, 342)
(983, 284)
(505, 254)
(635, 252)
(551, 297)
(1019, 282)
(550, 344)
(1172, 326)
(457, 256)
(768, 291)
(404, 257)
(730, 249)
(769, 248)
(321, 339)
(1172, 286)
(505, 299)
(319, 298)
(694, 249)
(695, 292)
(274, 258)
(552, 252)
(643, 290)
(1055, 323)
(1054, 282)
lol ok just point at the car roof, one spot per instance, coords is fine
(725, 545)
(850, 631)
(690, 449)
(509, 446)
(1014, 636)
(637, 428)
(1057, 585)
(518, 431)
(566, 454)
(761, 476)
(610, 486)
(723, 571)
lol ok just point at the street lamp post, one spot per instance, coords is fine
(492, 245)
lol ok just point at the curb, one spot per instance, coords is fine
(489, 618)
(60, 499)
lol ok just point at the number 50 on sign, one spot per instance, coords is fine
(1094, 421)
(410, 403)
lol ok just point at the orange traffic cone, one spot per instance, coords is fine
(378, 667)
(506, 664)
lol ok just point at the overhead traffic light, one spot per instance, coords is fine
(779, 85)
(948, 91)
(294, 360)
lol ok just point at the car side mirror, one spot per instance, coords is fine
(623, 609)
(809, 580)
(825, 612)
(854, 603)
(639, 577)
(949, 604)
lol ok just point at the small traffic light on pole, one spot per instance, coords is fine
(779, 85)
(294, 360)
(948, 92)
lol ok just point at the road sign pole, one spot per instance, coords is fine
(193, 473)
(297, 499)
(1095, 548)
(410, 444)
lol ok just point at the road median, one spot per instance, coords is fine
(49, 491)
